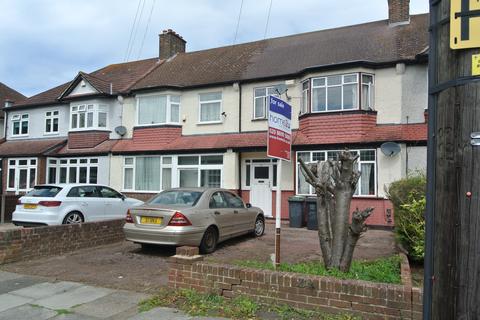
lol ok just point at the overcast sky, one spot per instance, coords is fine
(44, 43)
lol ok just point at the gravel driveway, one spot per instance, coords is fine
(125, 265)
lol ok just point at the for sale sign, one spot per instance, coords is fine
(279, 143)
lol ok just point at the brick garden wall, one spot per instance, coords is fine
(30, 243)
(366, 299)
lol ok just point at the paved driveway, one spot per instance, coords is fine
(27, 297)
(125, 266)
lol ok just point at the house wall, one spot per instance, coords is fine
(86, 89)
(36, 129)
(2, 128)
(414, 93)
(417, 159)
(390, 169)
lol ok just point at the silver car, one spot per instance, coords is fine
(200, 217)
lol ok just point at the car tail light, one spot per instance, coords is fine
(129, 218)
(50, 203)
(179, 220)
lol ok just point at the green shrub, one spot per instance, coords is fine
(409, 203)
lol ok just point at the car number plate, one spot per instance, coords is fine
(150, 220)
(29, 206)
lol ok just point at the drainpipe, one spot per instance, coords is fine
(406, 156)
(239, 131)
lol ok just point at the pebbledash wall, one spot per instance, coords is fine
(29, 243)
(366, 299)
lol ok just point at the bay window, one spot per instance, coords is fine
(210, 107)
(22, 174)
(338, 93)
(51, 122)
(157, 173)
(158, 109)
(261, 101)
(366, 165)
(20, 124)
(72, 170)
(88, 116)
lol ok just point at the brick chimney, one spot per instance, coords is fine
(398, 12)
(171, 43)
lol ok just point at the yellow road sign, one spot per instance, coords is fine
(476, 65)
(465, 24)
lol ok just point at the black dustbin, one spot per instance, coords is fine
(295, 211)
(311, 204)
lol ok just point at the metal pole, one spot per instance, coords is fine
(431, 155)
(278, 213)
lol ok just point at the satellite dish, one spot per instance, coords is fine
(281, 89)
(390, 149)
(121, 130)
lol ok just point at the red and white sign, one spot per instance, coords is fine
(279, 143)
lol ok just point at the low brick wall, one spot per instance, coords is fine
(366, 299)
(30, 243)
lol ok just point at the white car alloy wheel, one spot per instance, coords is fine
(72, 218)
(259, 227)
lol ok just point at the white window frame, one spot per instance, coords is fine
(175, 170)
(17, 167)
(59, 165)
(52, 118)
(341, 85)
(93, 108)
(305, 105)
(359, 164)
(168, 115)
(265, 101)
(19, 117)
(371, 89)
(200, 103)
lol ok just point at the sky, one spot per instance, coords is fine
(44, 43)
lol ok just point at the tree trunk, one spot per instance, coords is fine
(335, 183)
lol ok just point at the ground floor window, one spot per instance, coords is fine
(157, 173)
(72, 170)
(22, 174)
(366, 165)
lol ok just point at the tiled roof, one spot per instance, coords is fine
(102, 148)
(379, 133)
(121, 76)
(25, 148)
(7, 93)
(374, 42)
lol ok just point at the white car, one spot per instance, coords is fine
(71, 203)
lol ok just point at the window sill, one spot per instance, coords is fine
(209, 122)
(259, 119)
(51, 133)
(20, 136)
(338, 112)
(158, 125)
(89, 129)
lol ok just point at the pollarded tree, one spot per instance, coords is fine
(335, 183)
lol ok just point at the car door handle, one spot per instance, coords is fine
(235, 211)
(217, 212)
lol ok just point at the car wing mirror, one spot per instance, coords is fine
(249, 205)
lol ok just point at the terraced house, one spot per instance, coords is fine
(187, 119)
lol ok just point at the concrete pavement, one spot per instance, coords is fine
(26, 297)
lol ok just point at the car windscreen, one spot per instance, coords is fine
(44, 191)
(181, 198)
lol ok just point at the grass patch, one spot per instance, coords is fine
(62, 311)
(242, 307)
(385, 270)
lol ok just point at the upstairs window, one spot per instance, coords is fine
(335, 93)
(338, 93)
(368, 92)
(305, 97)
(261, 101)
(158, 109)
(210, 107)
(51, 122)
(89, 116)
(20, 124)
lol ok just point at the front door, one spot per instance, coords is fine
(261, 188)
